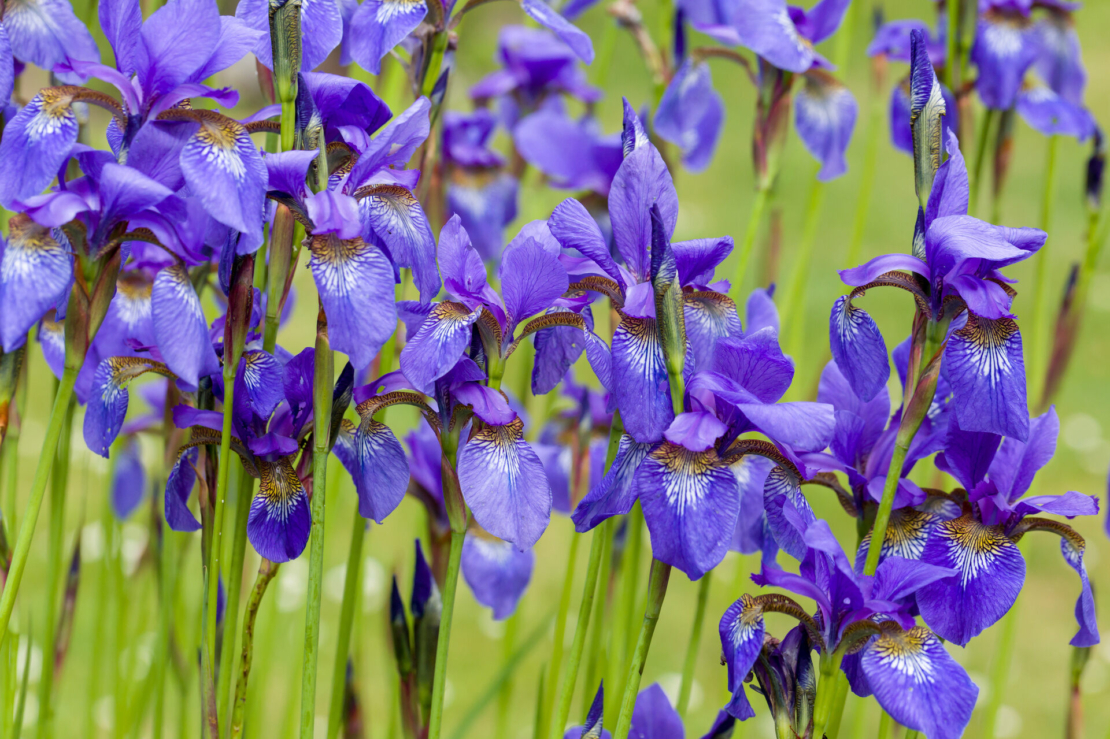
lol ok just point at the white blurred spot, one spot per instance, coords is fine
(1094, 678)
(671, 682)
(1097, 459)
(138, 657)
(36, 660)
(494, 630)
(1082, 432)
(1009, 722)
(335, 580)
(134, 538)
(104, 712)
(448, 693)
(30, 710)
(292, 585)
(92, 542)
(978, 678)
(373, 585)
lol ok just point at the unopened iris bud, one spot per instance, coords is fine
(399, 628)
(1096, 167)
(285, 40)
(670, 318)
(239, 308)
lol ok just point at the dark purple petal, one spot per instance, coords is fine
(640, 386)
(641, 181)
(378, 26)
(698, 258)
(35, 144)
(788, 511)
(549, 18)
(901, 134)
(342, 101)
(613, 494)
(756, 363)
(919, 684)
(990, 572)
(128, 478)
(556, 459)
(438, 344)
(504, 484)
(497, 572)
(741, 630)
(987, 372)
(690, 503)
(653, 717)
(108, 399)
(968, 455)
(557, 349)
(179, 485)
(179, 326)
(1085, 615)
(355, 282)
(858, 349)
(825, 116)
(321, 30)
(395, 218)
(279, 521)
(35, 275)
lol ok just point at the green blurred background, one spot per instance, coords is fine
(106, 679)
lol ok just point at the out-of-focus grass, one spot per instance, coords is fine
(116, 619)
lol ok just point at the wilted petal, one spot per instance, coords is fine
(505, 485)
(640, 386)
(497, 573)
(1073, 550)
(396, 219)
(378, 26)
(35, 273)
(438, 343)
(919, 684)
(179, 485)
(690, 502)
(613, 494)
(355, 282)
(279, 521)
(990, 572)
(825, 116)
(741, 631)
(128, 479)
(987, 371)
(179, 326)
(35, 144)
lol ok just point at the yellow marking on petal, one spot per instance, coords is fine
(904, 651)
(279, 487)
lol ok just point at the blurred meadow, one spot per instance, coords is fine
(105, 686)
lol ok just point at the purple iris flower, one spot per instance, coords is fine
(691, 114)
(497, 572)
(321, 29)
(364, 227)
(45, 33)
(479, 190)
(534, 64)
(981, 544)
(1004, 50)
(893, 40)
(574, 444)
(1060, 61)
(574, 153)
(129, 479)
(955, 268)
(936, 697)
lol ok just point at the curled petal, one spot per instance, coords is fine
(990, 572)
(279, 521)
(179, 485)
(497, 573)
(355, 281)
(612, 495)
(741, 631)
(690, 501)
(1073, 549)
(180, 327)
(108, 398)
(505, 485)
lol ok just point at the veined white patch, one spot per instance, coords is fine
(44, 124)
(783, 19)
(1003, 39)
(910, 659)
(390, 9)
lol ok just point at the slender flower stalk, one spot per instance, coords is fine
(450, 588)
(555, 666)
(1040, 339)
(1000, 674)
(793, 308)
(886, 724)
(243, 499)
(505, 690)
(657, 590)
(351, 586)
(56, 567)
(620, 634)
(266, 572)
(755, 218)
(38, 491)
(688, 666)
(981, 139)
(323, 381)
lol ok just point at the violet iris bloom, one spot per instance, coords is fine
(479, 190)
(497, 572)
(1005, 48)
(45, 33)
(981, 544)
(955, 268)
(691, 114)
(321, 29)
(653, 717)
(936, 697)
(1057, 106)
(575, 153)
(573, 445)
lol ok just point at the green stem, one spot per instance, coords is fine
(839, 701)
(1039, 341)
(323, 380)
(450, 586)
(867, 178)
(165, 621)
(554, 667)
(1000, 675)
(594, 657)
(21, 703)
(886, 723)
(288, 124)
(56, 567)
(980, 156)
(882, 517)
(266, 572)
(657, 591)
(793, 308)
(38, 490)
(827, 691)
(692, 648)
(234, 589)
(219, 507)
(346, 621)
(951, 59)
(505, 688)
(599, 70)
(585, 609)
(755, 218)
(620, 635)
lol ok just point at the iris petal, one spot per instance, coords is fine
(709, 316)
(279, 521)
(640, 386)
(35, 144)
(438, 343)
(35, 272)
(263, 377)
(987, 371)
(1073, 550)
(497, 573)
(108, 398)
(741, 631)
(395, 217)
(858, 348)
(612, 495)
(825, 116)
(383, 470)
(128, 479)
(179, 485)
(179, 326)
(378, 26)
(788, 511)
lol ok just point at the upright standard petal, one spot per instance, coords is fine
(987, 371)
(690, 501)
(128, 479)
(990, 572)
(378, 26)
(918, 683)
(531, 280)
(279, 520)
(177, 39)
(438, 343)
(640, 386)
(394, 217)
(741, 631)
(573, 226)
(179, 326)
(355, 281)
(1004, 49)
(497, 572)
(825, 116)
(550, 18)
(36, 142)
(35, 273)
(641, 181)
(504, 483)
